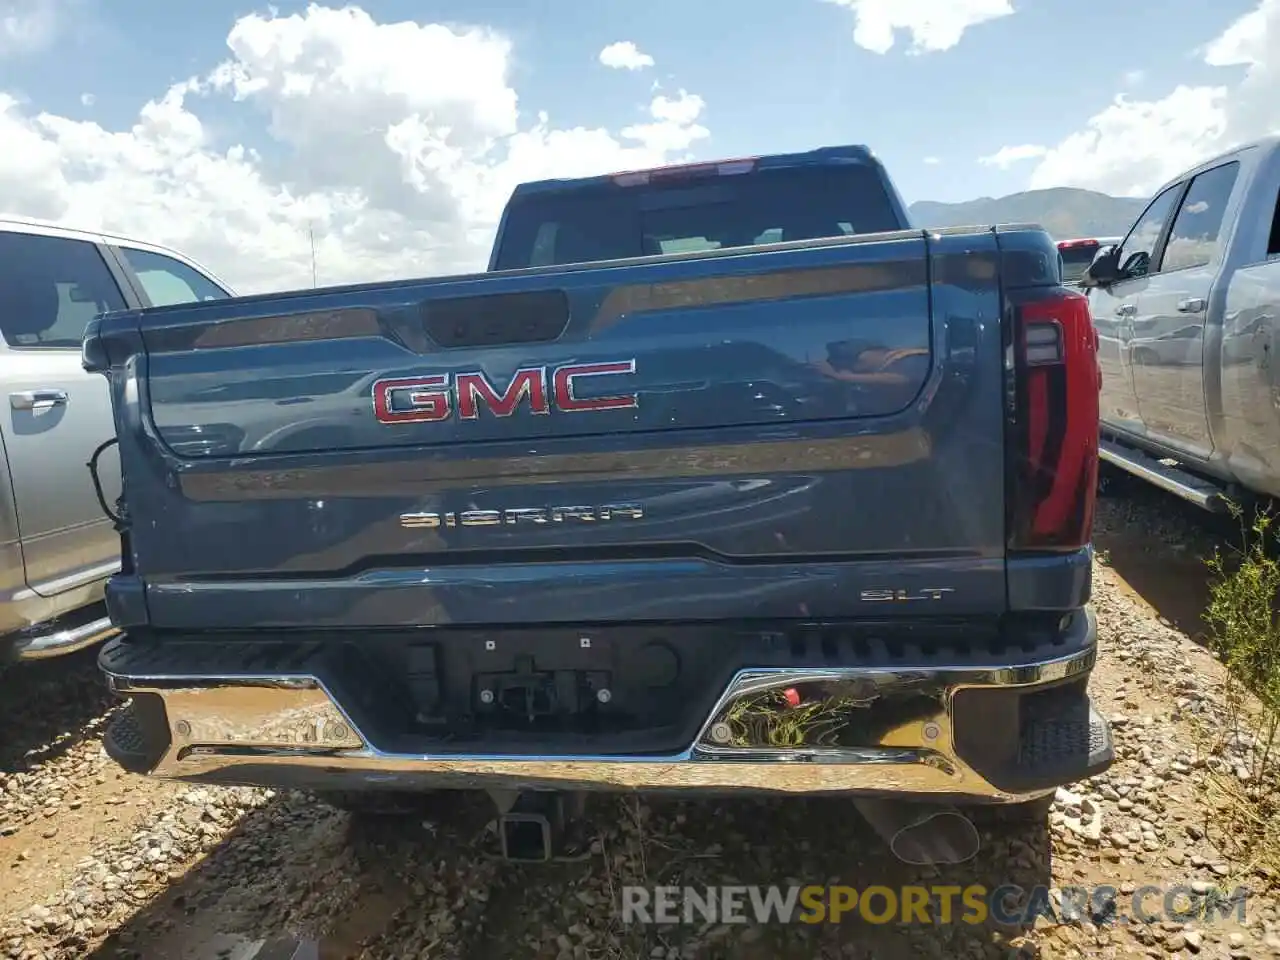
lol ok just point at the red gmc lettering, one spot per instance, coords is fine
(529, 384)
(427, 399)
(565, 376)
(430, 399)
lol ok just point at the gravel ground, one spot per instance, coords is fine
(96, 863)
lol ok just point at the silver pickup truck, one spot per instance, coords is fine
(56, 546)
(1187, 311)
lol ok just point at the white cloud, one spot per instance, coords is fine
(625, 55)
(1244, 42)
(674, 127)
(933, 24)
(932, 161)
(1006, 157)
(1132, 146)
(26, 25)
(87, 99)
(398, 142)
(1132, 78)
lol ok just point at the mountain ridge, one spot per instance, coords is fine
(1065, 212)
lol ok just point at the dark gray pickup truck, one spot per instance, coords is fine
(722, 478)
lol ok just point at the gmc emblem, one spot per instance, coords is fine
(431, 399)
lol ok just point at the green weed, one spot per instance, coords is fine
(1243, 621)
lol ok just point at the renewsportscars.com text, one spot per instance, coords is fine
(928, 905)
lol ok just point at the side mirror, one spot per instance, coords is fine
(80, 293)
(1105, 269)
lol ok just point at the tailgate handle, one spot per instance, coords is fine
(1126, 310)
(1191, 305)
(30, 399)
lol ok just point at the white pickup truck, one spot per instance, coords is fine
(1187, 310)
(57, 549)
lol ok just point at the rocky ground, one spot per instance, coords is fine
(99, 864)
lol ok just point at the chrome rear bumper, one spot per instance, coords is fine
(779, 730)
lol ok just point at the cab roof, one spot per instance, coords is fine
(822, 156)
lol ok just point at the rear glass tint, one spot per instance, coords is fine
(771, 206)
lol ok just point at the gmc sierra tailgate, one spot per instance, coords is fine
(809, 430)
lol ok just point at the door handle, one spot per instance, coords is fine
(1191, 305)
(1126, 310)
(30, 399)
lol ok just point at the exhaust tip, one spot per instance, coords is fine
(923, 835)
(945, 837)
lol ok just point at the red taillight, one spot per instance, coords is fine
(1068, 244)
(1054, 440)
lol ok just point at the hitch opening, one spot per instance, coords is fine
(537, 826)
(527, 837)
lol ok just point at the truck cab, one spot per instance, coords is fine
(1184, 309)
(688, 208)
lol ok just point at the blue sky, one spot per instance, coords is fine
(771, 75)
(776, 74)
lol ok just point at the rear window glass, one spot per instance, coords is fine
(773, 206)
(1076, 260)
